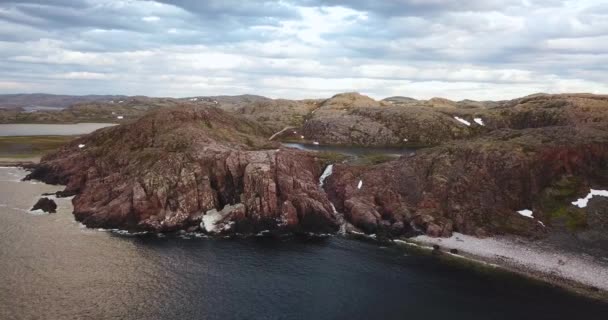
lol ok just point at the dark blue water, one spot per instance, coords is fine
(51, 268)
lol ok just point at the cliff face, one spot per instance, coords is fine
(196, 166)
(475, 187)
(176, 168)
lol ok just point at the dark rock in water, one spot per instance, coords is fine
(436, 250)
(46, 205)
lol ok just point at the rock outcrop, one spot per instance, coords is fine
(474, 187)
(197, 166)
(46, 205)
(174, 167)
(360, 120)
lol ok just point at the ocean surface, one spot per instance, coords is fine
(53, 268)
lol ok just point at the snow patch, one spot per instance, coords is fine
(120, 117)
(479, 121)
(404, 140)
(81, 146)
(526, 213)
(360, 184)
(582, 202)
(463, 121)
(210, 219)
(316, 143)
(326, 173)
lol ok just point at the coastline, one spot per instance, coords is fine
(575, 272)
(19, 162)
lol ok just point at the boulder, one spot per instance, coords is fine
(46, 205)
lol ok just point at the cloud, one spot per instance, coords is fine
(304, 48)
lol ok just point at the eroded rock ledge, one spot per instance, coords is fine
(190, 168)
(168, 170)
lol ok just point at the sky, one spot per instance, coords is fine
(465, 49)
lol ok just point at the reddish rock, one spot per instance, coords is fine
(474, 187)
(167, 170)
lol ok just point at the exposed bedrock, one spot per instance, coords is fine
(474, 187)
(172, 167)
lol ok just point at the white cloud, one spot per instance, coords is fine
(480, 50)
(150, 18)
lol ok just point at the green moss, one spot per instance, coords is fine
(556, 204)
(28, 146)
(372, 159)
(328, 157)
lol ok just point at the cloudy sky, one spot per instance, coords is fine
(478, 49)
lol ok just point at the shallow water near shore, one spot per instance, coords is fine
(52, 268)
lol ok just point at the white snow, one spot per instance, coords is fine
(194, 99)
(120, 117)
(120, 101)
(328, 171)
(210, 219)
(404, 140)
(526, 213)
(214, 101)
(316, 143)
(360, 184)
(462, 120)
(479, 121)
(582, 202)
(81, 146)
(301, 137)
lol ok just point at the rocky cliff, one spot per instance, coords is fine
(190, 168)
(475, 187)
(501, 167)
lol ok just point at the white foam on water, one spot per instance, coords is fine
(262, 233)
(38, 212)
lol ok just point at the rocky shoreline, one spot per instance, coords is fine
(574, 271)
(514, 168)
